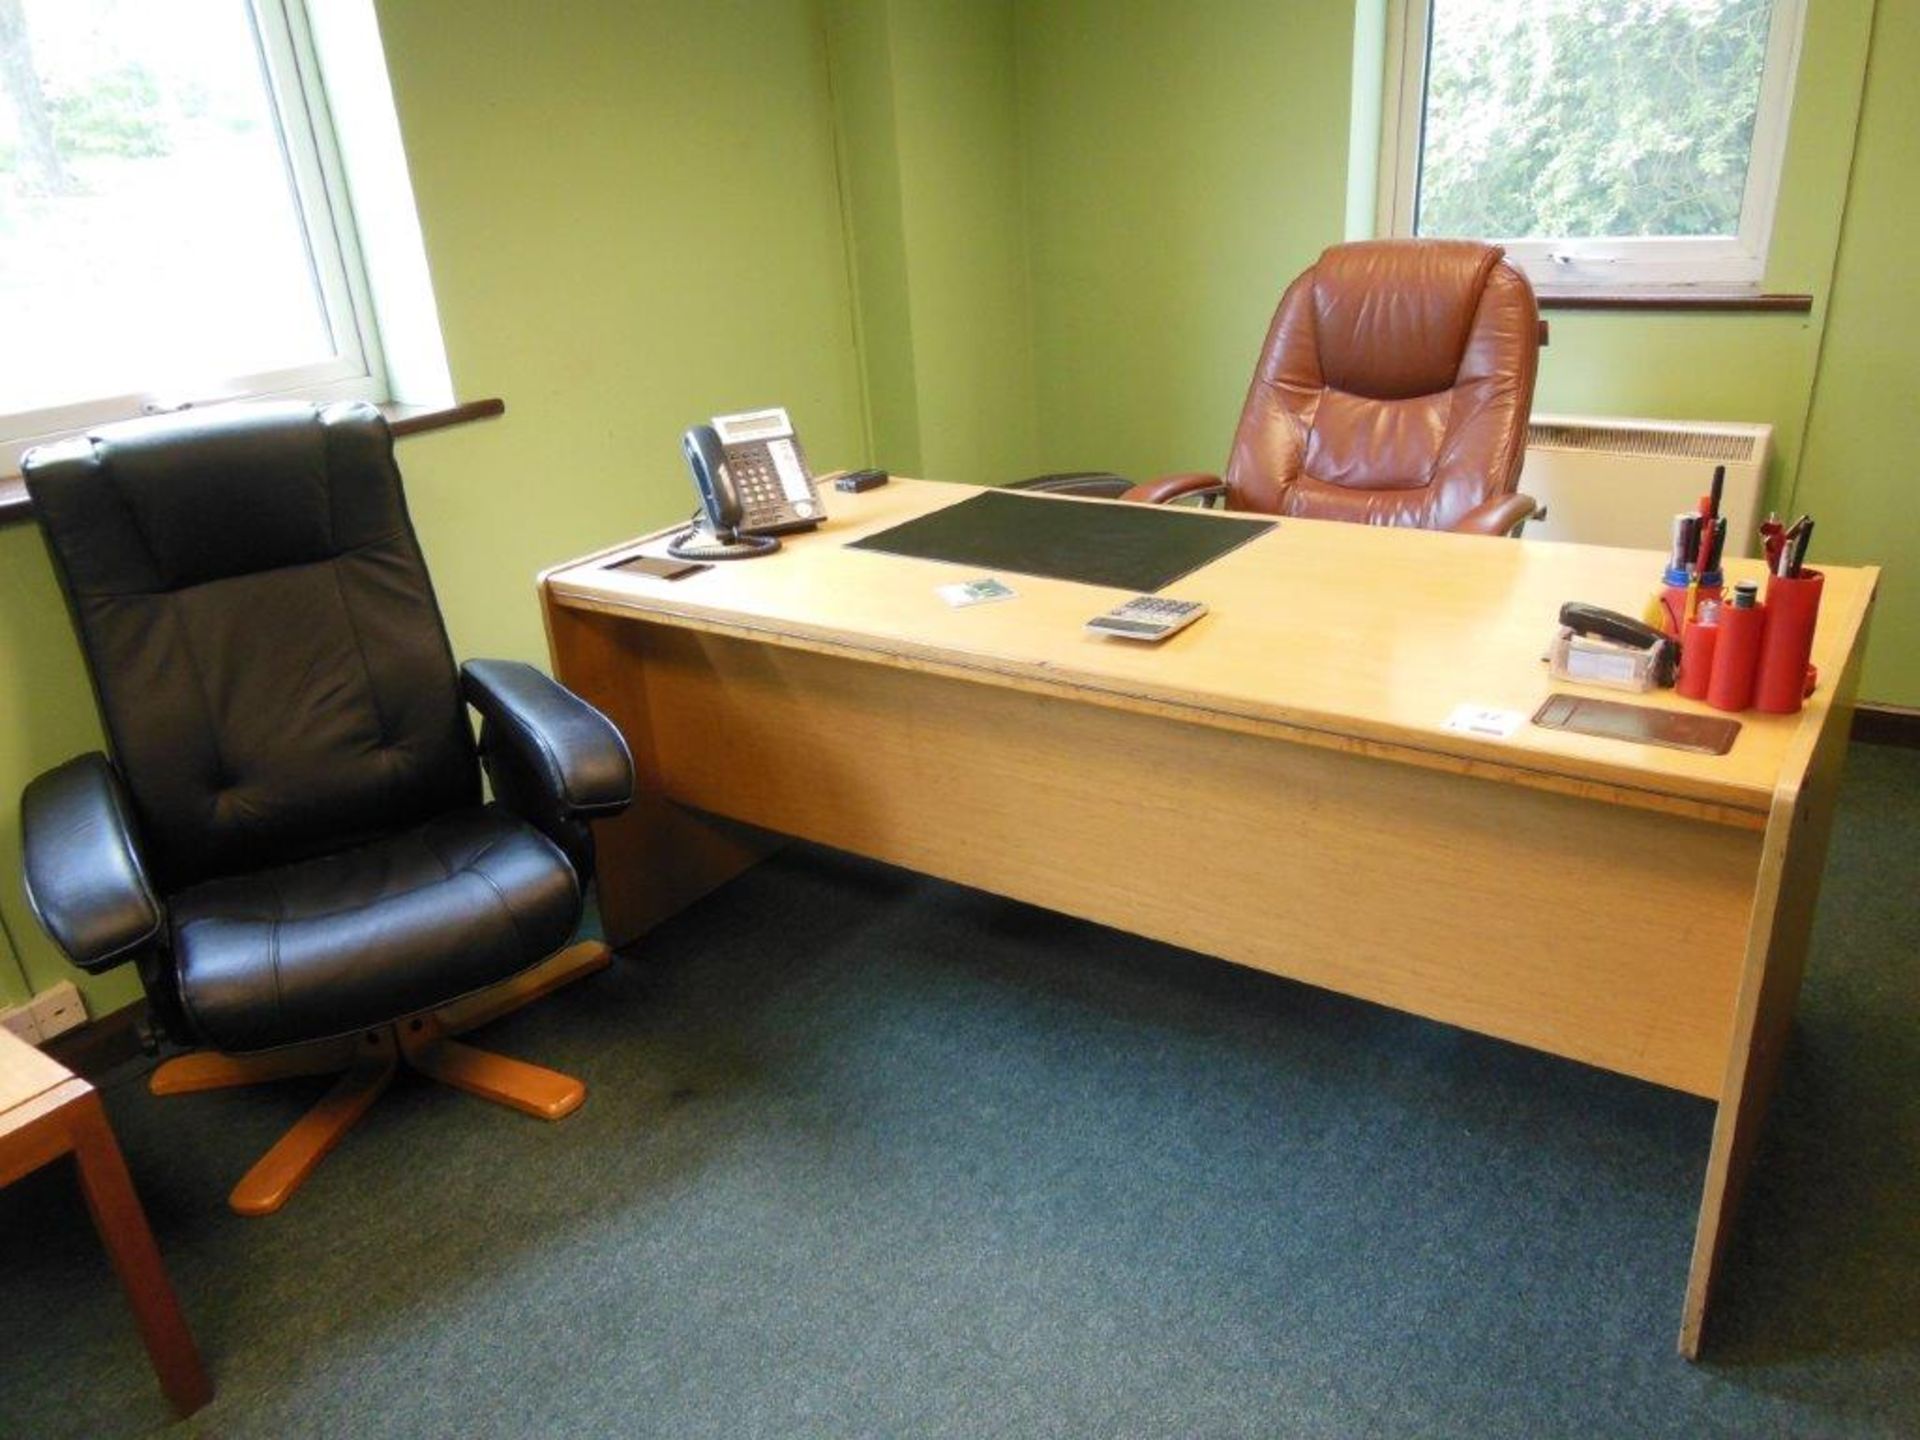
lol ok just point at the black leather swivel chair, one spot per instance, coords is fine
(289, 841)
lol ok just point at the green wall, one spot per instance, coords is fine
(1863, 436)
(924, 92)
(1183, 162)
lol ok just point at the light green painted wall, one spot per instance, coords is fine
(930, 155)
(1183, 162)
(1863, 438)
(860, 55)
(619, 248)
(1366, 116)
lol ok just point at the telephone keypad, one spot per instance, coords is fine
(756, 462)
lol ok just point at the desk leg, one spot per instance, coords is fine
(1792, 859)
(657, 857)
(122, 1224)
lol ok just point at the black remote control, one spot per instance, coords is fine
(854, 481)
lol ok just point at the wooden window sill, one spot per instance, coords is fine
(1705, 301)
(404, 420)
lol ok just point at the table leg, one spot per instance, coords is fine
(1791, 863)
(122, 1223)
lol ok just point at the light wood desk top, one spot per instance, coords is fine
(1340, 635)
(26, 1073)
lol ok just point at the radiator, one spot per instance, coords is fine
(1606, 481)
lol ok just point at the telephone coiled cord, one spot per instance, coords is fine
(698, 543)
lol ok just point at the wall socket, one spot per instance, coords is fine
(52, 1012)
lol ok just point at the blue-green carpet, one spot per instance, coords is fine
(871, 1155)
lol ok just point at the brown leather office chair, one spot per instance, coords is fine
(1393, 389)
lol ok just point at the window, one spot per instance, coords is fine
(174, 220)
(1610, 144)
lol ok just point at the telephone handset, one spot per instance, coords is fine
(753, 482)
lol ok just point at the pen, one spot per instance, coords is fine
(1800, 548)
(1677, 553)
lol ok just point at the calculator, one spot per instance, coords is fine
(1147, 617)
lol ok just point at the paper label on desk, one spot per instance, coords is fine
(1487, 724)
(974, 592)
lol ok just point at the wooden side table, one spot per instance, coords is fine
(46, 1111)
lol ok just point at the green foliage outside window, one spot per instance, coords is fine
(117, 114)
(1571, 118)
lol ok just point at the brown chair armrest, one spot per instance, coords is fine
(1171, 487)
(1502, 515)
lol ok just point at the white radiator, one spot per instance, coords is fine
(1604, 481)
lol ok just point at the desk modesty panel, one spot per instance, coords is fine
(1643, 910)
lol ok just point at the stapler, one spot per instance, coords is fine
(1596, 646)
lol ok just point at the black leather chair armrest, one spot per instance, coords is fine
(547, 750)
(86, 879)
(1502, 515)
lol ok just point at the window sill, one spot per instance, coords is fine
(404, 420)
(1704, 301)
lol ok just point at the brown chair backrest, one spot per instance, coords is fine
(1394, 387)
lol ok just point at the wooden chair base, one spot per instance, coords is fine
(367, 1062)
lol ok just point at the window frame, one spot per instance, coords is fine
(357, 368)
(1586, 264)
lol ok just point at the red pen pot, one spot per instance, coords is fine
(1696, 656)
(1736, 657)
(1673, 606)
(1793, 608)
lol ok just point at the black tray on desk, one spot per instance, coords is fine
(1130, 547)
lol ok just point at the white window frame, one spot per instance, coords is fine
(1572, 263)
(357, 368)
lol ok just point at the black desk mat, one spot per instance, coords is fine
(1130, 547)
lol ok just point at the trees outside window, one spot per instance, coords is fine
(173, 224)
(1636, 141)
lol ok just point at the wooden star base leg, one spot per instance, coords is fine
(369, 1061)
(532, 1089)
(278, 1173)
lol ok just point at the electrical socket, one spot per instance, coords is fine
(58, 1009)
(54, 1011)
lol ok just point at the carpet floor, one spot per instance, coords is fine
(870, 1155)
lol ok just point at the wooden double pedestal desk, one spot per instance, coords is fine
(1644, 910)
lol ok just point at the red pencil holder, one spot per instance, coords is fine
(1736, 657)
(1696, 659)
(1793, 609)
(1673, 606)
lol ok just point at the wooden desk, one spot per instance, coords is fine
(1640, 909)
(47, 1112)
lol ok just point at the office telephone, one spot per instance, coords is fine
(754, 485)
